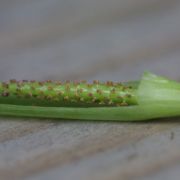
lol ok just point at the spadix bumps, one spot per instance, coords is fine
(150, 98)
(55, 93)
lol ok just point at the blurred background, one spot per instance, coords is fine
(89, 39)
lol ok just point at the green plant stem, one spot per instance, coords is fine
(153, 97)
(131, 113)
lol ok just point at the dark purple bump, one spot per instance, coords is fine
(5, 94)
(13, 81)
(90, 95)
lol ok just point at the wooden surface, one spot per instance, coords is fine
(82, 39)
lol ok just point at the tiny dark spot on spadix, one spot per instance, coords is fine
(5, 94)
(13, 81)
(90, 94)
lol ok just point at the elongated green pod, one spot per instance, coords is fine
(151, 97)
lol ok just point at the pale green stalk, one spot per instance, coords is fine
(152, 97)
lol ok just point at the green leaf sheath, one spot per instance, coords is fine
(150, 98)
(68, 94)
(157, 89)
(126, 113)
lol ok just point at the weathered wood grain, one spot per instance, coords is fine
(71, 142)
(81, 39)
(135, 160)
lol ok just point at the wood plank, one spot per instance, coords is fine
(70, 142)
(135, 160)
(114, 41)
